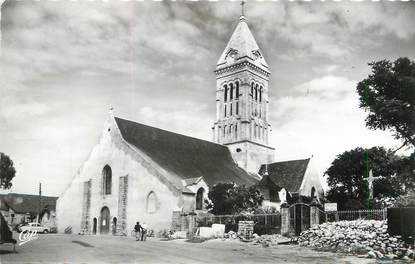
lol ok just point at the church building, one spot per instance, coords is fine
(142, 173)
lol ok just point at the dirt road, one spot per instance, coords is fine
(56, 248)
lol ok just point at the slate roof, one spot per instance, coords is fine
(27, 203)
(245, 44)
(285, 174)
(184, 156)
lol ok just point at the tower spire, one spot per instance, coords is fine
(242, 10)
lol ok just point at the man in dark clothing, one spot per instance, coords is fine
(138, 229)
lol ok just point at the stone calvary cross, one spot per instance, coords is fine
(370, 180)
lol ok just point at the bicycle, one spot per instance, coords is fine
(136, 234)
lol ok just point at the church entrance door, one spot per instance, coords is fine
(105, 220)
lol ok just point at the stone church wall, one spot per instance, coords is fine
(312, 179)
(133, 190)
(251, 156)
(122, 205)
(86, 206)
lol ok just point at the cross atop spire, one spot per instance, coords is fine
(242, 10)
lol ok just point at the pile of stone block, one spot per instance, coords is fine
(362, 237)
(268, 240)
(216, 231)
(231, 235)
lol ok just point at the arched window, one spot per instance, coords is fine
(224, 131)
(260, 94)
(231, 91)
(256, 92)
(231, 113)
(313, 192)
(236, 131)
(226, 92)
(237, 90)
(106, 179)
(252, 90)
(237, 108)
(266, 135)
(151, 203)
(225, 112)
(199, 198)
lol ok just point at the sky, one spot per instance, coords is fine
(64, 63)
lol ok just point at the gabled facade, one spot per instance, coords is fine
(290, 181)
(242, 102)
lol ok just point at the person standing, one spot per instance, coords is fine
(138, 230)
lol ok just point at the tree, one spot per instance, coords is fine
(347, 173)
(389, 96)
(7, 171)
(406, 171)
(229, 198)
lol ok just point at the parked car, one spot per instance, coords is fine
(19, 226)
(35, 227)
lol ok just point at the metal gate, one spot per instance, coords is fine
(299, 218)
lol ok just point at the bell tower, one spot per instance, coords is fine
(242, 103)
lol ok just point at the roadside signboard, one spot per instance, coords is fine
(330, 207)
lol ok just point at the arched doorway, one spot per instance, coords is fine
(199, 199)
(94, 227)
(105, 220)
(114, 225)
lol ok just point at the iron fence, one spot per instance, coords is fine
(350, 215)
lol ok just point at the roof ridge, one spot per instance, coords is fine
(168, 131)
(288, 161)
(26, 194)
(183, 155)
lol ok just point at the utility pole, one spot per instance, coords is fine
(40, 202)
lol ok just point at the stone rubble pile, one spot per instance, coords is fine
(369, 237)
(264, 240)
(230, 235)
(268, 240)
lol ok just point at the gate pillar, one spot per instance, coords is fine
(285, 219)
(314, 215)
(192, 224)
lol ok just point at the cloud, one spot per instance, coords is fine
(328, 87)
(197, 124)
(63, 63)
(324, 69)
(321, 117)
(11, 110)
